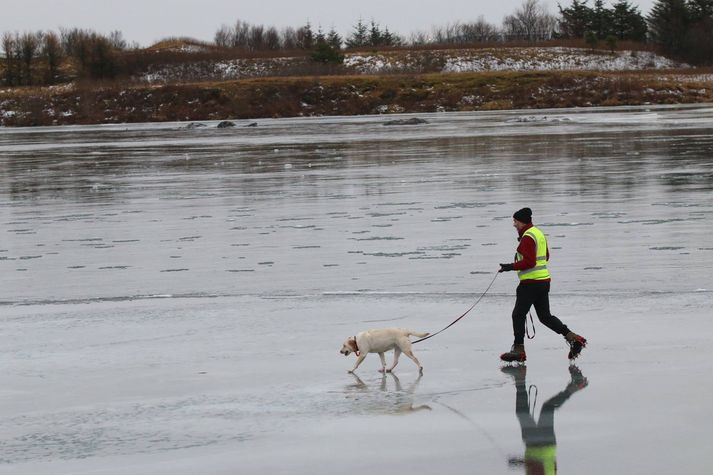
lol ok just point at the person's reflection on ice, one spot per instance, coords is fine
(539, 436)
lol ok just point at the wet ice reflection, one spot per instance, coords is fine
(222, 214)
(538, 434)
(180, 292)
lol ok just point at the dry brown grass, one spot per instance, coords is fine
(118, 101)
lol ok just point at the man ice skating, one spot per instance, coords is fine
(534, 288)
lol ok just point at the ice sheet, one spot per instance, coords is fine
(173, 300)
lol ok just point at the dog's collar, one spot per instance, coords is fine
(356, 347)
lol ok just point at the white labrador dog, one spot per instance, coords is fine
(380, 341)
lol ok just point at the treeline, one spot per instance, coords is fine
(244, 36)
(683, 28)
(247, 37)
(96, 55)
(532, 21)
(622, 21)
(679, 28)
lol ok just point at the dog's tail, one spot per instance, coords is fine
(418, 334)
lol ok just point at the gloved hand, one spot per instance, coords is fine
(505, 267)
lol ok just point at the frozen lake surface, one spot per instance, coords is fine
(173, 300)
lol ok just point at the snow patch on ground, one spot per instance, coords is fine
(687, 77)
(446, 61)
(220, 70)
(513, 59)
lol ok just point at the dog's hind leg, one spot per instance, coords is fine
(410, 354)
(405, 347)
(397, 353)
(383, 362)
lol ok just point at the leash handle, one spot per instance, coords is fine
(464, 314)
(527, 329)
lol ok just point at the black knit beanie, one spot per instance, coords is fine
(523, 215)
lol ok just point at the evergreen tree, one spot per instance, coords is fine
(320, 38)
(575, 20)
(700, 10)
(375, 35)
(305, 37)
(668, 23)
(601, 20)
(627, 23)
(334, 39)
(591, 39)
(390, 39)
(326, 47)
(699, 37)
(359, 36)
(325, 53)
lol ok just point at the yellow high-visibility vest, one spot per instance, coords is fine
(539, 272)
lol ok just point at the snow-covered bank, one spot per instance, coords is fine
(512, 59)
(446, 61)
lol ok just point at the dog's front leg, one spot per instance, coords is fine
(383, 362)
(360, 358)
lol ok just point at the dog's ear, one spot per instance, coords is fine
(352, 343)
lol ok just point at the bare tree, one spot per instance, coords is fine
(256, 39)
(289, 38)
(29, 44)
(272, 39)
(447, 34)
(458, 33)
(241, 35)
(102, 61)
(419, 38)
(117, 41)
(531, 21)
(479, 31)
(52, 52)
(75, 43)
(223, 37)
(8, 47)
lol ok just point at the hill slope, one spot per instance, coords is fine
(485, 79)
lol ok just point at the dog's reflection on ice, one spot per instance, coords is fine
(384, 398)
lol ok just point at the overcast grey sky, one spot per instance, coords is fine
(147, 21)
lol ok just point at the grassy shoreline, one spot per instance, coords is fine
(348, 95)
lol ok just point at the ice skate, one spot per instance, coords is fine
(576, 344)
(516, 354)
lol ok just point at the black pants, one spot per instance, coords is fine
(537, 294)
